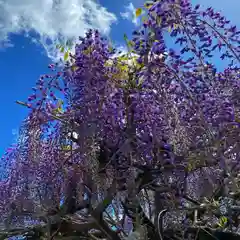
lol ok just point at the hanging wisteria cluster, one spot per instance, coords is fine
(145, 142)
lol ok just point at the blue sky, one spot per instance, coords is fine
(30, 28)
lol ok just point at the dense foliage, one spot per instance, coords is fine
(144, 142)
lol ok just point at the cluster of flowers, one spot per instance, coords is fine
(143, 100)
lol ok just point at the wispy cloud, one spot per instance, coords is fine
(53, 21)
(129, 14)
(15, 133)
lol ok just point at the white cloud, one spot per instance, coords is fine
(52, 20)
(121, 50)
(15, 134)
(129, 14)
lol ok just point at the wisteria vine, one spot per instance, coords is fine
(155, 129)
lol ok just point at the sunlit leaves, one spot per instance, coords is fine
(74, 68)
(62, 49)
(138, 12)
(65, 49)
(66, 56)
(125, 64)
(222, 221)
(129, 43)
(148, 4)
(88, 50)
(144, 18)
(59, 108)
(58, 46)
(125, 37)
(66, 147)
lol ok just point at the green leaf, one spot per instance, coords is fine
(62, 49)
(123, 58)
(110, 44)
(138, 12)
(125, 37)
(159, 20)
(148, 4)
(66, 148)
(66, 55)
(110, 48)
(59, 108)
(74, 68)
(130, 43)
(222, 221)
(144, 18)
